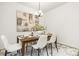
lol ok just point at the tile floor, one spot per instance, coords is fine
(62, 51)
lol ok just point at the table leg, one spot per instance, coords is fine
(23, 49)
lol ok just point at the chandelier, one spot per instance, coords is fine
(39, 13)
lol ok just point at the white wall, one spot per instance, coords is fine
(8, 19)
(64, 20)
(1, 17)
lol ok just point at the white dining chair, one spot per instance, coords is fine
(9, 47)
(53, 39)
(41, 43)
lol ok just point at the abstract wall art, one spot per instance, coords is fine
(25, 21)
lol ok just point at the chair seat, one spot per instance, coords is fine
(35, 46)
(49, 42)
(14, 47)
(52, 40)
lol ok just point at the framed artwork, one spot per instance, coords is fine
(25, 21)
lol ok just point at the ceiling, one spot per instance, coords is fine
(44, 6)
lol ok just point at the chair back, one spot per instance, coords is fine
(42, 41)
(53, 38)
(4, 41)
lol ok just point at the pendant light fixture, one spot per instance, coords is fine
(39, 13)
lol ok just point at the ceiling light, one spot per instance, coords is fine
(39, 13)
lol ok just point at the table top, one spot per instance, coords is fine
(31, 38)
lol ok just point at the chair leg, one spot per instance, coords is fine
(31, 51)
(47, 51)
(5, 52)
(26, 47)
(56, 44)
(38, 51)
(51, 49)
(18, 51)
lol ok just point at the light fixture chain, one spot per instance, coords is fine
(39, 5)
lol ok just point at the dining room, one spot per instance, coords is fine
(39, 29)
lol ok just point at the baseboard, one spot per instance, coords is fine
(68, 45)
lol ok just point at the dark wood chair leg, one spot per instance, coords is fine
(38, 51)
(19, 51)
(47, 51)
(31, 51)
(51, 49)
(5, 52)
(26, 47)
(56, 44)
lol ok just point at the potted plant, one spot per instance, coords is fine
(39, 28)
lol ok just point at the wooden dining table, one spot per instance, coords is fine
(28, 39)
